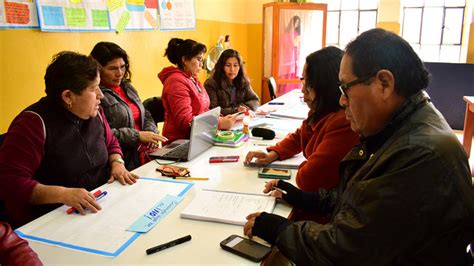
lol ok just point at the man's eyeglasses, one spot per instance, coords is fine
(344, 87)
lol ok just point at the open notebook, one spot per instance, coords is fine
(290, 163)
(227, 206)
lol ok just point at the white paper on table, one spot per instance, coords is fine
(295, 111)
(227, 206)
(103, 233)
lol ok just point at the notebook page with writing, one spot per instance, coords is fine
(226, 206)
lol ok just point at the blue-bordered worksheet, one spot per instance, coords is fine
(105, 232)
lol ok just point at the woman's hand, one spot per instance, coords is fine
(250, 223)
(262, 157)
(226, 122)
(149, 137)
(122, 175)
(242, 108)
(80, 199)
(269, 188)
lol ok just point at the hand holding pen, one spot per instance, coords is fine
(80, 199)
(271, 187)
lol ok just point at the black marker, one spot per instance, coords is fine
(168, 244)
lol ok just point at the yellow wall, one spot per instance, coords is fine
(25, 54)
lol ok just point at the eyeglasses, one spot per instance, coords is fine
(344, 87)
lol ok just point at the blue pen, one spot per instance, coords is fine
(101, 195)
(276, 103)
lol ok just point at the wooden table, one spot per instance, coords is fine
(468, 125)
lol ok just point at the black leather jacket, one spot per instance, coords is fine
(121, 121)
(405, 198)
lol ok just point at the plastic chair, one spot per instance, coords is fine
(155, 106)
(272, 87)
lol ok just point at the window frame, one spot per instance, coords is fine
(359, 11)
(441, 42)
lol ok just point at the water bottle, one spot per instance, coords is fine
(246, 122)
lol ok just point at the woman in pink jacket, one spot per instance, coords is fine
(183, 95)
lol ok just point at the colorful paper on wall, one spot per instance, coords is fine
(122, 23)
(94, 15)
(18, 14)
(177, 15)
(134, 15)
(73, 15)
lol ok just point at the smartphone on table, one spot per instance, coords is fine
(274, 173)
(245, 247)
(224, 159)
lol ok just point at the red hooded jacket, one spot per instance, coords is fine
(183, 98)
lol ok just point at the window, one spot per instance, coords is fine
(434, 28)
(347, 18)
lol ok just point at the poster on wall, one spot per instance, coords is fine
(73, 15)
(97, 15)
(177, 15)
(133, 14)
(18, 14)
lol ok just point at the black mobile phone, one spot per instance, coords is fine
(245, 247)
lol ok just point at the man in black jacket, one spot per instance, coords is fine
(405, 196)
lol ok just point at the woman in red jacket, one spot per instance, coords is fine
(325, 136)
(183, 95)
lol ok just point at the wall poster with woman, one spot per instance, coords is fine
(300, 33)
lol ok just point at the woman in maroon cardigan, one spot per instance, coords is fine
(60, 148)
(325, 136)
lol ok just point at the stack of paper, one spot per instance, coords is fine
(226, 206)
(297, 111)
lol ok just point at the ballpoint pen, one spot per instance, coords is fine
(278, 189)
(260, 144)
(190, 178)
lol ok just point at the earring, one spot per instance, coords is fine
(69, 105)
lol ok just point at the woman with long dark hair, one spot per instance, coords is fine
(229, 86)
(325, 137)
(131, 123)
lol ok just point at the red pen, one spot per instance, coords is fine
(224, 159)
(72, 209)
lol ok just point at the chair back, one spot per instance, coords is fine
(155, 106)
(272, 87)
(3, 213)
(2, 137)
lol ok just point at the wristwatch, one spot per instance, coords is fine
(117, 160)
